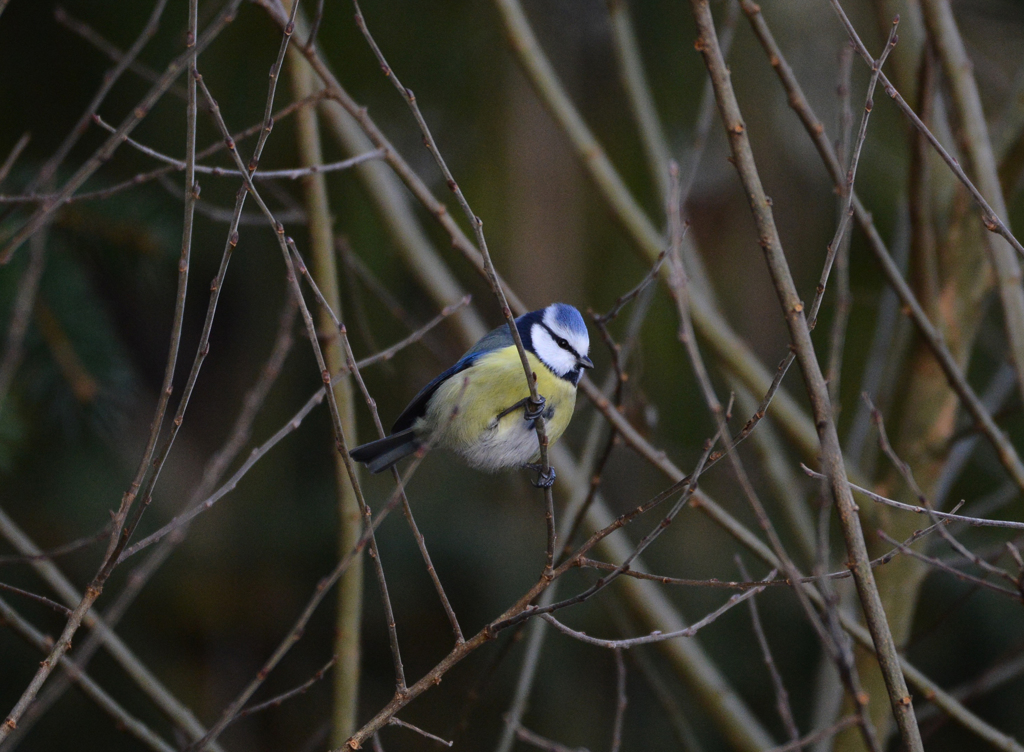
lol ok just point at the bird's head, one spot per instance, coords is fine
(558, 336)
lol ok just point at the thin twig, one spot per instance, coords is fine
(942, 566)
(538, 741)
(136, 115)
(817, 390)
(353, 367)
(687, 490)
(618, 353)
(320, 224)
(389, 352)
(319, 593)
(52, 605)
(817, 736)
(690, 631)
(781, 695)
(12, 156)
(122, 718)
(973, 521)
(58, 551)
(292, 174)
(108, 48)
(363, 507)
(589, 466)
(402, 724)
(851, 173)
(908, 476)
(144, 177)
(989, 217)
(843, 574)
(295, 692)
(620, 701)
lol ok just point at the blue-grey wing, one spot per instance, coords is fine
(496, 339)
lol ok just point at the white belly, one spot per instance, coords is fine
(513, 443)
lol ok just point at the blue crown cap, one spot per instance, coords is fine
(569, 317)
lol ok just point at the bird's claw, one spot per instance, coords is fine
(533, 410)
(545, 475)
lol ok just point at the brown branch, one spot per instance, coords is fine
(52, 605)
(12, 156)
(793, 310)
(122, 718)
(781, 695)
(434, 738)
(689, 631)
(943, 567)
(294, 692)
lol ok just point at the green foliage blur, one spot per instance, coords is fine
(75, 423)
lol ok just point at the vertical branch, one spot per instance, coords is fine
(949, 47)
(621, 699)
(351, 366)
(925, 265)
(687, 658)
(646, 237)
(837, 334)
(793, 310)
(832, 643)
(321, 238)
(631, 70)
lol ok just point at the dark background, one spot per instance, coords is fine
(220, 605)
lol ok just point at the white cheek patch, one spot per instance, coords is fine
(578, 340)
(554, 357)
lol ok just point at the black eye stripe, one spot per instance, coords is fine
(559, 340)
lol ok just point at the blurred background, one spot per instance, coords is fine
(77, 413)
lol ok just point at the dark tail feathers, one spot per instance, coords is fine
(383, 453)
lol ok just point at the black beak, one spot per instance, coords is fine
(584, 361)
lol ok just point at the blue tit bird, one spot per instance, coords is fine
(481, 407)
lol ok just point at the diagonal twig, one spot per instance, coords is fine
(793, 310)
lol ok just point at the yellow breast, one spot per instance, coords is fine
(492, 384)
